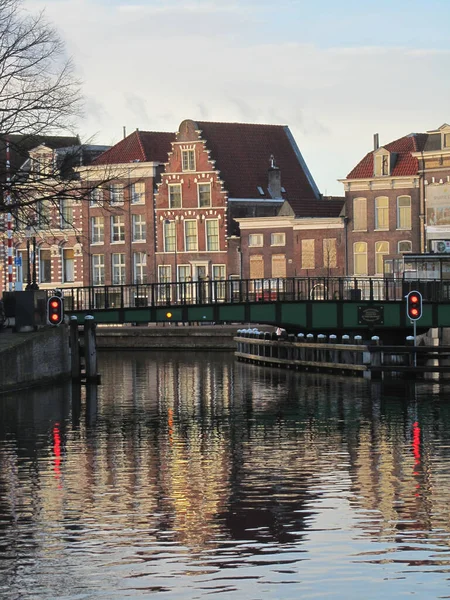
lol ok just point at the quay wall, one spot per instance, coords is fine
(201, 337)
(33, 358)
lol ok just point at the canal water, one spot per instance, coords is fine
(191, 476)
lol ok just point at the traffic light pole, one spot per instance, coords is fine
(415, 343)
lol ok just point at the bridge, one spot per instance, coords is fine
(326, 303)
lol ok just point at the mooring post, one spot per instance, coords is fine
(411, 343)
(374, 359)
(90, 348)
(74, 340)
(345, 354)
(358, 355)
(333, 354)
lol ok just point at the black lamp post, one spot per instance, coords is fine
(31, 273)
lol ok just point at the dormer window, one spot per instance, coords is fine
(381, 164)
(446, 140)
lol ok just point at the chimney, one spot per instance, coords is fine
(376, 141)
(274, 176)
(124, 132)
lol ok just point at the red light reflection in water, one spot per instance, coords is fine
(416, 452)
(57, 453)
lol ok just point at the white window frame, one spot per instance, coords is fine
(201, 193)
(214, 237)
(66, 213)
(188, 245)
(116, 194)
(137, 192)
(402, 210)
(170, 236)
(404, 251)
(97, 230)
(280, 241)
(173, 186)
(139, 267)
(117, 229)
(363, 202)
(118, 274)
(96, 197)
(98, 269)
(360, 254)
(138, 227)
(64, 265)
(255, 240)
(188, 160)
(381, 210)
(379, 266)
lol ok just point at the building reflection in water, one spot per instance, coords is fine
(200, 450)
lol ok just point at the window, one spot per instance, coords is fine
(212, 235)
(184, 273)
(190, 235)
(404, 246)
(360, 258)
(97, 230)
(359, 214)
(96, 197)
(278, 265)
(329, 253)
(139, 228)
(256, 266)
(45, 266)
(204, 195)
(43, 210)
(218, 274)
(98, 269)
(308, 254)
(117, 228)
(137, 192)
(382, 164)
(188, 160)
(404, 212)
(169, 236)
(278, 239)
(66, 209)
(255, 240)
(446, 138)
(22, 267)
(382, 213)
(116, 193)
(139, 267)
(68, 275)
(118, 269)
(381, 249)
(164, 273)
(175, 195)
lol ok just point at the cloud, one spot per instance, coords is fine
(151, 66)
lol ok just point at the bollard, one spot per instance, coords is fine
(345, 354)
(333, 354)
(310, 353)
(74, 340)
(90, 348)
(373, 359)
(321, 354)
(411, 357)
(301, 351)
(357, 355)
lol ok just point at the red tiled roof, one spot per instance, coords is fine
(405, 164)
(139, 146)
(242, 153)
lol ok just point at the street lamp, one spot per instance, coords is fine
(31, 277)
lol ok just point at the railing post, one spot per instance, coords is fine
(90, 348)
(74, 340)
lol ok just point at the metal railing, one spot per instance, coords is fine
(241, 291)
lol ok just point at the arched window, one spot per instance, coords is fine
(359, 214)
(381, 249)
(404, 246)
(382, 212)
(360, 258)
(404, 212)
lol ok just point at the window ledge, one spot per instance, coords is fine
(118, 242)
(359, 230)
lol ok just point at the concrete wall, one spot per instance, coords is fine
(34, 358)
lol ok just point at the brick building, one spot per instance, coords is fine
(48, 230)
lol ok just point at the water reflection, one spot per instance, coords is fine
(190, 473)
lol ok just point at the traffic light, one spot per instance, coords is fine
(55, 310)
(414, 305)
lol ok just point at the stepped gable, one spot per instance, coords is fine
(139, 146)
(242, 152)
(404, 163)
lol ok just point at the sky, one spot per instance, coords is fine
(334, 71)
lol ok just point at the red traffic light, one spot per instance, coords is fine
(414, 305)
(55, 310)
